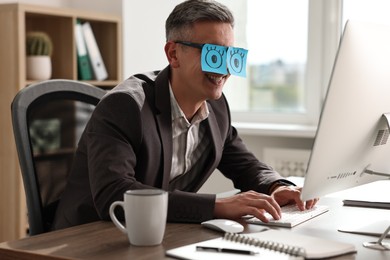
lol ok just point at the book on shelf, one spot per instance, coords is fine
(94, 54)
(269, 244)
(84, 68)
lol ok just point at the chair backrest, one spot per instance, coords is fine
(48, 119)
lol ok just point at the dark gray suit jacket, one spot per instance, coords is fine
(127, 144)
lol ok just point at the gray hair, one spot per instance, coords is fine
(184, 15)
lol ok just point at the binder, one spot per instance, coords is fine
(84, 68)
(95, 57)
(270, 244)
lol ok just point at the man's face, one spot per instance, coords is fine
(203, 85)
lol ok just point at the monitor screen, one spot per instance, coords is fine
(352, 135)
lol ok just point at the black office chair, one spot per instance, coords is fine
(48, 119)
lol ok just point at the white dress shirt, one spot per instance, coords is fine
(188, 138)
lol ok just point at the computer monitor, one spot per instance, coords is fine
(351, 145)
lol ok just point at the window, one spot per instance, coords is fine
(292, 45)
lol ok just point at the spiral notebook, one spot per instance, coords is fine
(270, 244)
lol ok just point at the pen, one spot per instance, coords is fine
(225, 250)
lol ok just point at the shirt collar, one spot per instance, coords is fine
(177, 113)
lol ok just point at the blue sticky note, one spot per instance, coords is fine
(236, 61)
(213, 59)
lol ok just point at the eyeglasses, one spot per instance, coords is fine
(221, 59)
(191, 44)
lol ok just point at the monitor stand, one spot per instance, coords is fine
(386, 117)
(379, 245)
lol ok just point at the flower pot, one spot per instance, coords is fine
(38, 67)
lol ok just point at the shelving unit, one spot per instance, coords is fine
(59, 23)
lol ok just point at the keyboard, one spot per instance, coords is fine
(291, 216)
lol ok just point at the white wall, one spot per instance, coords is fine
(144, 34)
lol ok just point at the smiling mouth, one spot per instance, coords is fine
(216, 79)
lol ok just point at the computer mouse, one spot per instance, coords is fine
(223, 225)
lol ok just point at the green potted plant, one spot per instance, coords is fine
(39, 48)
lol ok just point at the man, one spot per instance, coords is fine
(170, 130)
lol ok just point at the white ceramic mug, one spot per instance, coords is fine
(145, 216)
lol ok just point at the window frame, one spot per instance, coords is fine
(324, 33)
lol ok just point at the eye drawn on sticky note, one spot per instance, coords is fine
(213, 59)
(236, 61)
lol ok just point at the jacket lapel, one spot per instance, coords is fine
(216, 136)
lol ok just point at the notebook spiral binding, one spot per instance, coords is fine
(270, 245)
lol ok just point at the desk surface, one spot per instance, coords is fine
(102, 240)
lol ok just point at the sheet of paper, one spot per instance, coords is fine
(370, 228)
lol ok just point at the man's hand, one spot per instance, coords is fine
(247, 203)
(284, 195)
(257, 204)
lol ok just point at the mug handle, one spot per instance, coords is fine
(114, 218)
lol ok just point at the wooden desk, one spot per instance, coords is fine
(102, 240)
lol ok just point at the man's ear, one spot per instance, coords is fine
(171, 53)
